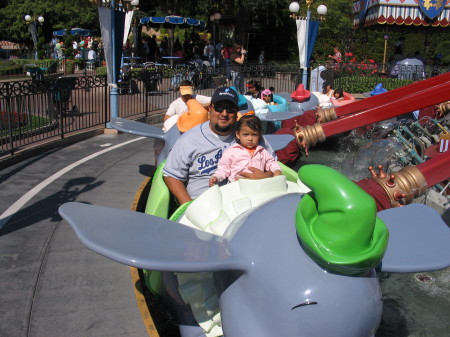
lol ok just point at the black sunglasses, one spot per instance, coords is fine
(230, 109)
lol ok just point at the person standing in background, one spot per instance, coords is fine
(226, 54)
(337, 56)
(237, 60)
(146, 48)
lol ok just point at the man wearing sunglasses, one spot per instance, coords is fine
(195, 155)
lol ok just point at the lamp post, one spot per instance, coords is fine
(386, 38)
(213, 18)
(294, 8)
(32, 26)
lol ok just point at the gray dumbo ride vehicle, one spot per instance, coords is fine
(293, 255)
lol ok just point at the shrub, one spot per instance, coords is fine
(10, 68)
(360, 84)
(69, 67)
(100, 71)
(68, 44)
(14, 118)
(443, 52)
(40, 48)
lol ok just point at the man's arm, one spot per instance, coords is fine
(205, 101)
(171, 111)
(178, 189)
(239, 59)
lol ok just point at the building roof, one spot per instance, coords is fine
(399, 12)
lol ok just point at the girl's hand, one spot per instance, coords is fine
(212, 181)
(255, 174)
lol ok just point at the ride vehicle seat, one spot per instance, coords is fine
(348, 98)
(215, 209)
(280, 106)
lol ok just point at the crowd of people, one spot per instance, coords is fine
(198, 51)
(151, 48)
(82, 47)
(192, 48)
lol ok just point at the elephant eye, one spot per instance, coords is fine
(303, 304)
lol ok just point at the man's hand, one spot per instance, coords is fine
(255, 174)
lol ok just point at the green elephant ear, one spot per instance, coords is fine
(337, 224)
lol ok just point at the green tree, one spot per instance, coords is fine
(259, 24)
(40, 48)
(68, 46)
(443, 52)
(58, 14)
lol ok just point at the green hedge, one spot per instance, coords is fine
(9, 68)
(32, 123)
(360, 84)
(100, 71)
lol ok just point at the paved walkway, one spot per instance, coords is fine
(50, 284)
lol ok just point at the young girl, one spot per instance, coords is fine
(338, 94)
(245, 153)
(267, 96)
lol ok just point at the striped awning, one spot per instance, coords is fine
(9, 45)
(396, 12)
(74, 31)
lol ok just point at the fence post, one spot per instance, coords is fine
(106, 105)
(146, 76)
(8, 113)
(59, 106)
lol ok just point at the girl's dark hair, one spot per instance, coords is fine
(340, 92)
(251, 121)
(325, 85)
(256, 84)
(236, 47)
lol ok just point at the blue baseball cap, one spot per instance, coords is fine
(225, 94)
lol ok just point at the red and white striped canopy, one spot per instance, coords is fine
(396, 12)
(9, 45)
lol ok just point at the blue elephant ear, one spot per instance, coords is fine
(242, 101)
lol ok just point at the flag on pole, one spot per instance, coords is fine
(128, 18)
(301, 38)
(313, 29)
(106, 28)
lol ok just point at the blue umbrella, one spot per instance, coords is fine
(171, 22)
(74, 31)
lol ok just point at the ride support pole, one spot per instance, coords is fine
(436, 169)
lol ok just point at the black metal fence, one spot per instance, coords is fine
(34, 111)
(38, 69)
